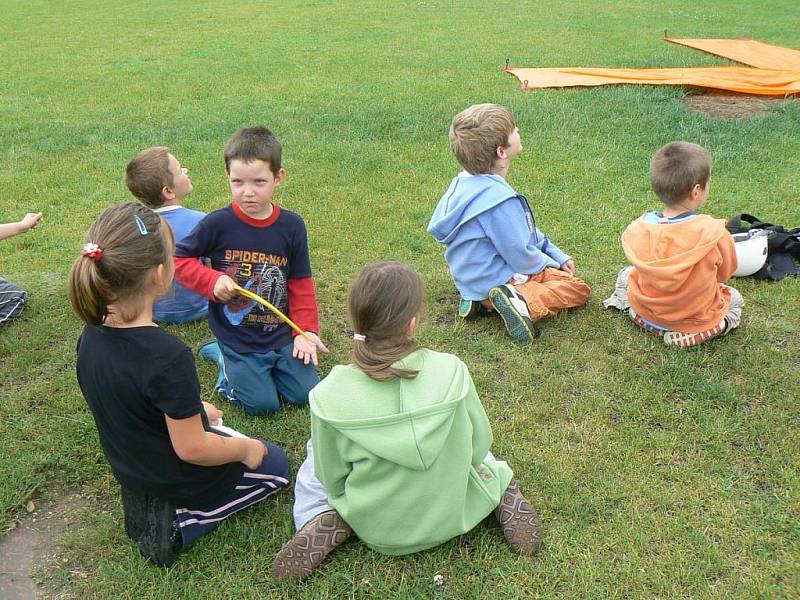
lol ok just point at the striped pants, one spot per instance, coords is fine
(270, 476)
(12, 301)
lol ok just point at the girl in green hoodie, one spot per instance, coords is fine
(399, 429)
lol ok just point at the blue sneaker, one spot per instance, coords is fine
(209, 350)
(510, 304)
(470, 309)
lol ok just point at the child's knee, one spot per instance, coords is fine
(574, 291)
(737, 300)
(255, 404)
(624, 275)
(298, 395)
(295, 386)
(277, 463)
(582, 289)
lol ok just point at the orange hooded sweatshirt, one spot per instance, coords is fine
(678, 268)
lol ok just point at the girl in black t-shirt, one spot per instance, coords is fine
(179, 475)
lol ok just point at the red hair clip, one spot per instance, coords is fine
(92, 251)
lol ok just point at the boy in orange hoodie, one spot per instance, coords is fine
(680, 258)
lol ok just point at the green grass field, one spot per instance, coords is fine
(658, 472)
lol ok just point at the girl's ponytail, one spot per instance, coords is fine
(122, 247)
(384, 299)
(88, 292)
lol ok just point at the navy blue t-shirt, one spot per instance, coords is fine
(259, 259)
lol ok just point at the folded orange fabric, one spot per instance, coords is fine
(746, 80)
(775, 71)
(746, 51)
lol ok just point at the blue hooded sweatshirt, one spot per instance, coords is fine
(489, 235)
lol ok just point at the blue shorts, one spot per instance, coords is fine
(254, 380)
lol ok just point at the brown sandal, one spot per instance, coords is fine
(308, 548)
(518, 520)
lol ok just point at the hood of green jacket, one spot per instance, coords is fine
(414, 435)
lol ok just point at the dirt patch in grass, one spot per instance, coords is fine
(732, 106)
(32, 544)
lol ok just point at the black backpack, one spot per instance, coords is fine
(783, 247)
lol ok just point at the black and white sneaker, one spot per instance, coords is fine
(507, 301)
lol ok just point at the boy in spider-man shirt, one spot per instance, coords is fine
(256, 244)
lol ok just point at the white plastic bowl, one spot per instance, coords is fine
(751, 251)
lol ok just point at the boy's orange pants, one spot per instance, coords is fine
(550, 291)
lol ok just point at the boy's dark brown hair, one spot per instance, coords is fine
(148, 174)
(132, 239)
(383, 300)
(254, 143)
(676, 168)
(477, 132)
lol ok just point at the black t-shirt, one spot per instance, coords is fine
(131, 378)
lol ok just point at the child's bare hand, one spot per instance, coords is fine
(224, 288)
(569, 267)
(256, 451)
(213, 413)
(30, 220)
(306, 350)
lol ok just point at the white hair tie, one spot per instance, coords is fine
(359, 338)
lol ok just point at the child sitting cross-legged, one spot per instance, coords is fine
(180, 476)
(400, 443)
(679, 257)
(497, 256)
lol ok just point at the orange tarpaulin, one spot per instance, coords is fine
(779, 79)
(748, 52)
(735, 79)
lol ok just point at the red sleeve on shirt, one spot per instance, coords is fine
(196, 276)
(303, 304)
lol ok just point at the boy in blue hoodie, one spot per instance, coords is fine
(498, 258)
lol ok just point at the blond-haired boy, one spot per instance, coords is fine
(159, 181)
(679, 258)
(497, 256)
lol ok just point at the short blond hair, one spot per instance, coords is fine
(676, 168)
(477, 132)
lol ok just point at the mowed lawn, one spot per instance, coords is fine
(658, 472)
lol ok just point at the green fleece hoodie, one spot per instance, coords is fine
(404, 461)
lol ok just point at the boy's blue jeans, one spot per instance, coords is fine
(254, 380)
(176, 319)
